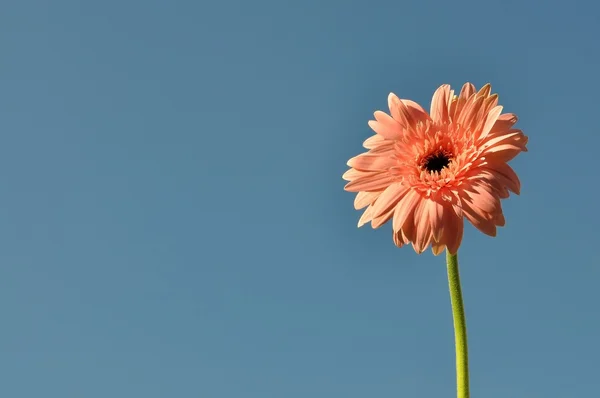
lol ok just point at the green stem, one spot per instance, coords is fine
(460, 327)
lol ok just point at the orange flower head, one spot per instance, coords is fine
(426, 172)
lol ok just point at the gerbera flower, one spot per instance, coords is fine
(427, 172)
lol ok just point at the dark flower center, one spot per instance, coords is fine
(436, 161)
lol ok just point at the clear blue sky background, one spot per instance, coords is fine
(173, 221)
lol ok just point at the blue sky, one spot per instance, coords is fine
(173, 221)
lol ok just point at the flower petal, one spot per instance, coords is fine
(373, 182)
(505, 152)
(504, 123)
(408, 228)
(381, 219)
(453, 228)
(468, 116)
(505, 175)
(481, 223)
(513, 135)
(370, 162)
(398, 238)
(363, 199)
(389, 198)
(436, 219)
(398, 109)
(416, 111)
(485, 90)
(437, 248)
(353, 174)
(468, 89)
(386, 126)
(404, 208)
(374, 141)
(489, 122)
(504, 148)
(366, 217)
(483, 197)
(439, 104)
(422, 226)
